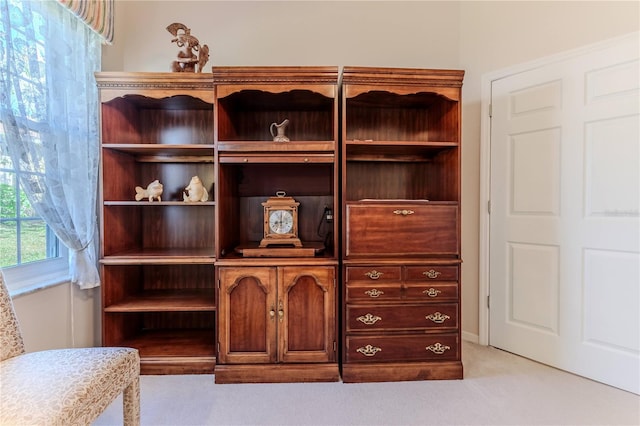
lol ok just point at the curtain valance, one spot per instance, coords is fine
(97, 14)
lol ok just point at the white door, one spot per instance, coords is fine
(564, 244)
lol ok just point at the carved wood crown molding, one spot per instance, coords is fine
(401, 82)
(152, 85)
(280, 75)
(283, 80)
(402, 77)
(142, 80)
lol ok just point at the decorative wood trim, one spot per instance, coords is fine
(277, 373)
(149, 80)
(253, 75)
(394, 372)
(402, 76)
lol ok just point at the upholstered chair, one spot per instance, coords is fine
(62, 386)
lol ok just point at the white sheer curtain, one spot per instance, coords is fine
(49, 113)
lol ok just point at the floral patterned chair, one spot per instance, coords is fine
(62, 386)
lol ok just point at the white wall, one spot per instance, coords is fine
(475, 36)
(413, 34)
(61, 316)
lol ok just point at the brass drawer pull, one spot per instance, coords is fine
(374, 275)
(438, 348)
(431, 273)
(432, 292)
(374, 292)
(368, 350)
(369, 319)
(438, 317)
(403, 212)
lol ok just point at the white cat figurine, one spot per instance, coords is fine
(153, 191)
(195, 192)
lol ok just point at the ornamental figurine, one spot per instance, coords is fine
(189, 45)
(195, 192)
(277, 131)
(153, 191)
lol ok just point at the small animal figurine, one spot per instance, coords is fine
(195, 192)
(153, 191)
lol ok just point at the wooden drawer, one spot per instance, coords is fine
(401, 229)
(422, 347)
(374, 273)
(402, 317)
(432, 292)
(373, 292)
(431, 273)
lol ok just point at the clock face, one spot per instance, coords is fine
(280, 221)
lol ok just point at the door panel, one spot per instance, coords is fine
(247, 306)
(565, 214)
(307, 296)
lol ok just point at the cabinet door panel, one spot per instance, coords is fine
(307, 300)
(401, 229)
(247, 315)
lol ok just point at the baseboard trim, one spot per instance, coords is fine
(470, 337)
(395, 372)
(278, 373)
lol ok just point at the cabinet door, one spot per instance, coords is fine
(401, 229)
(307, 328)
(247, 315)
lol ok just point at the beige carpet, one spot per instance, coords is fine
(498, 389)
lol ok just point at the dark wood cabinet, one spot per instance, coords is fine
(157, 258)
(282, 317)
(373, 170)
(277, 304)
(401, 228)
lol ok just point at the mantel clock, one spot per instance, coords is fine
(280, 221)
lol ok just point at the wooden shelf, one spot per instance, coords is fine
(166, 152)
(273, 158)
(173, 343)
(402, 143)
(167, 300)
(161, 256)
(408, 201)
(270, 146)
(145, 203)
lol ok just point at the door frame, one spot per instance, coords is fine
(485, 162)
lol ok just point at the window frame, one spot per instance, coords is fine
(32, 276)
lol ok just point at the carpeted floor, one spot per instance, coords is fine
(499, 388)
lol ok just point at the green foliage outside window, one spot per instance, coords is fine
(33, 231)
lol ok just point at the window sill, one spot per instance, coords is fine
(40, 285)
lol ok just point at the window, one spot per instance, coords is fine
(29, 247)
(31, 254)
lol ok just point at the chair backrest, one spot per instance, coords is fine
(11, 343)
